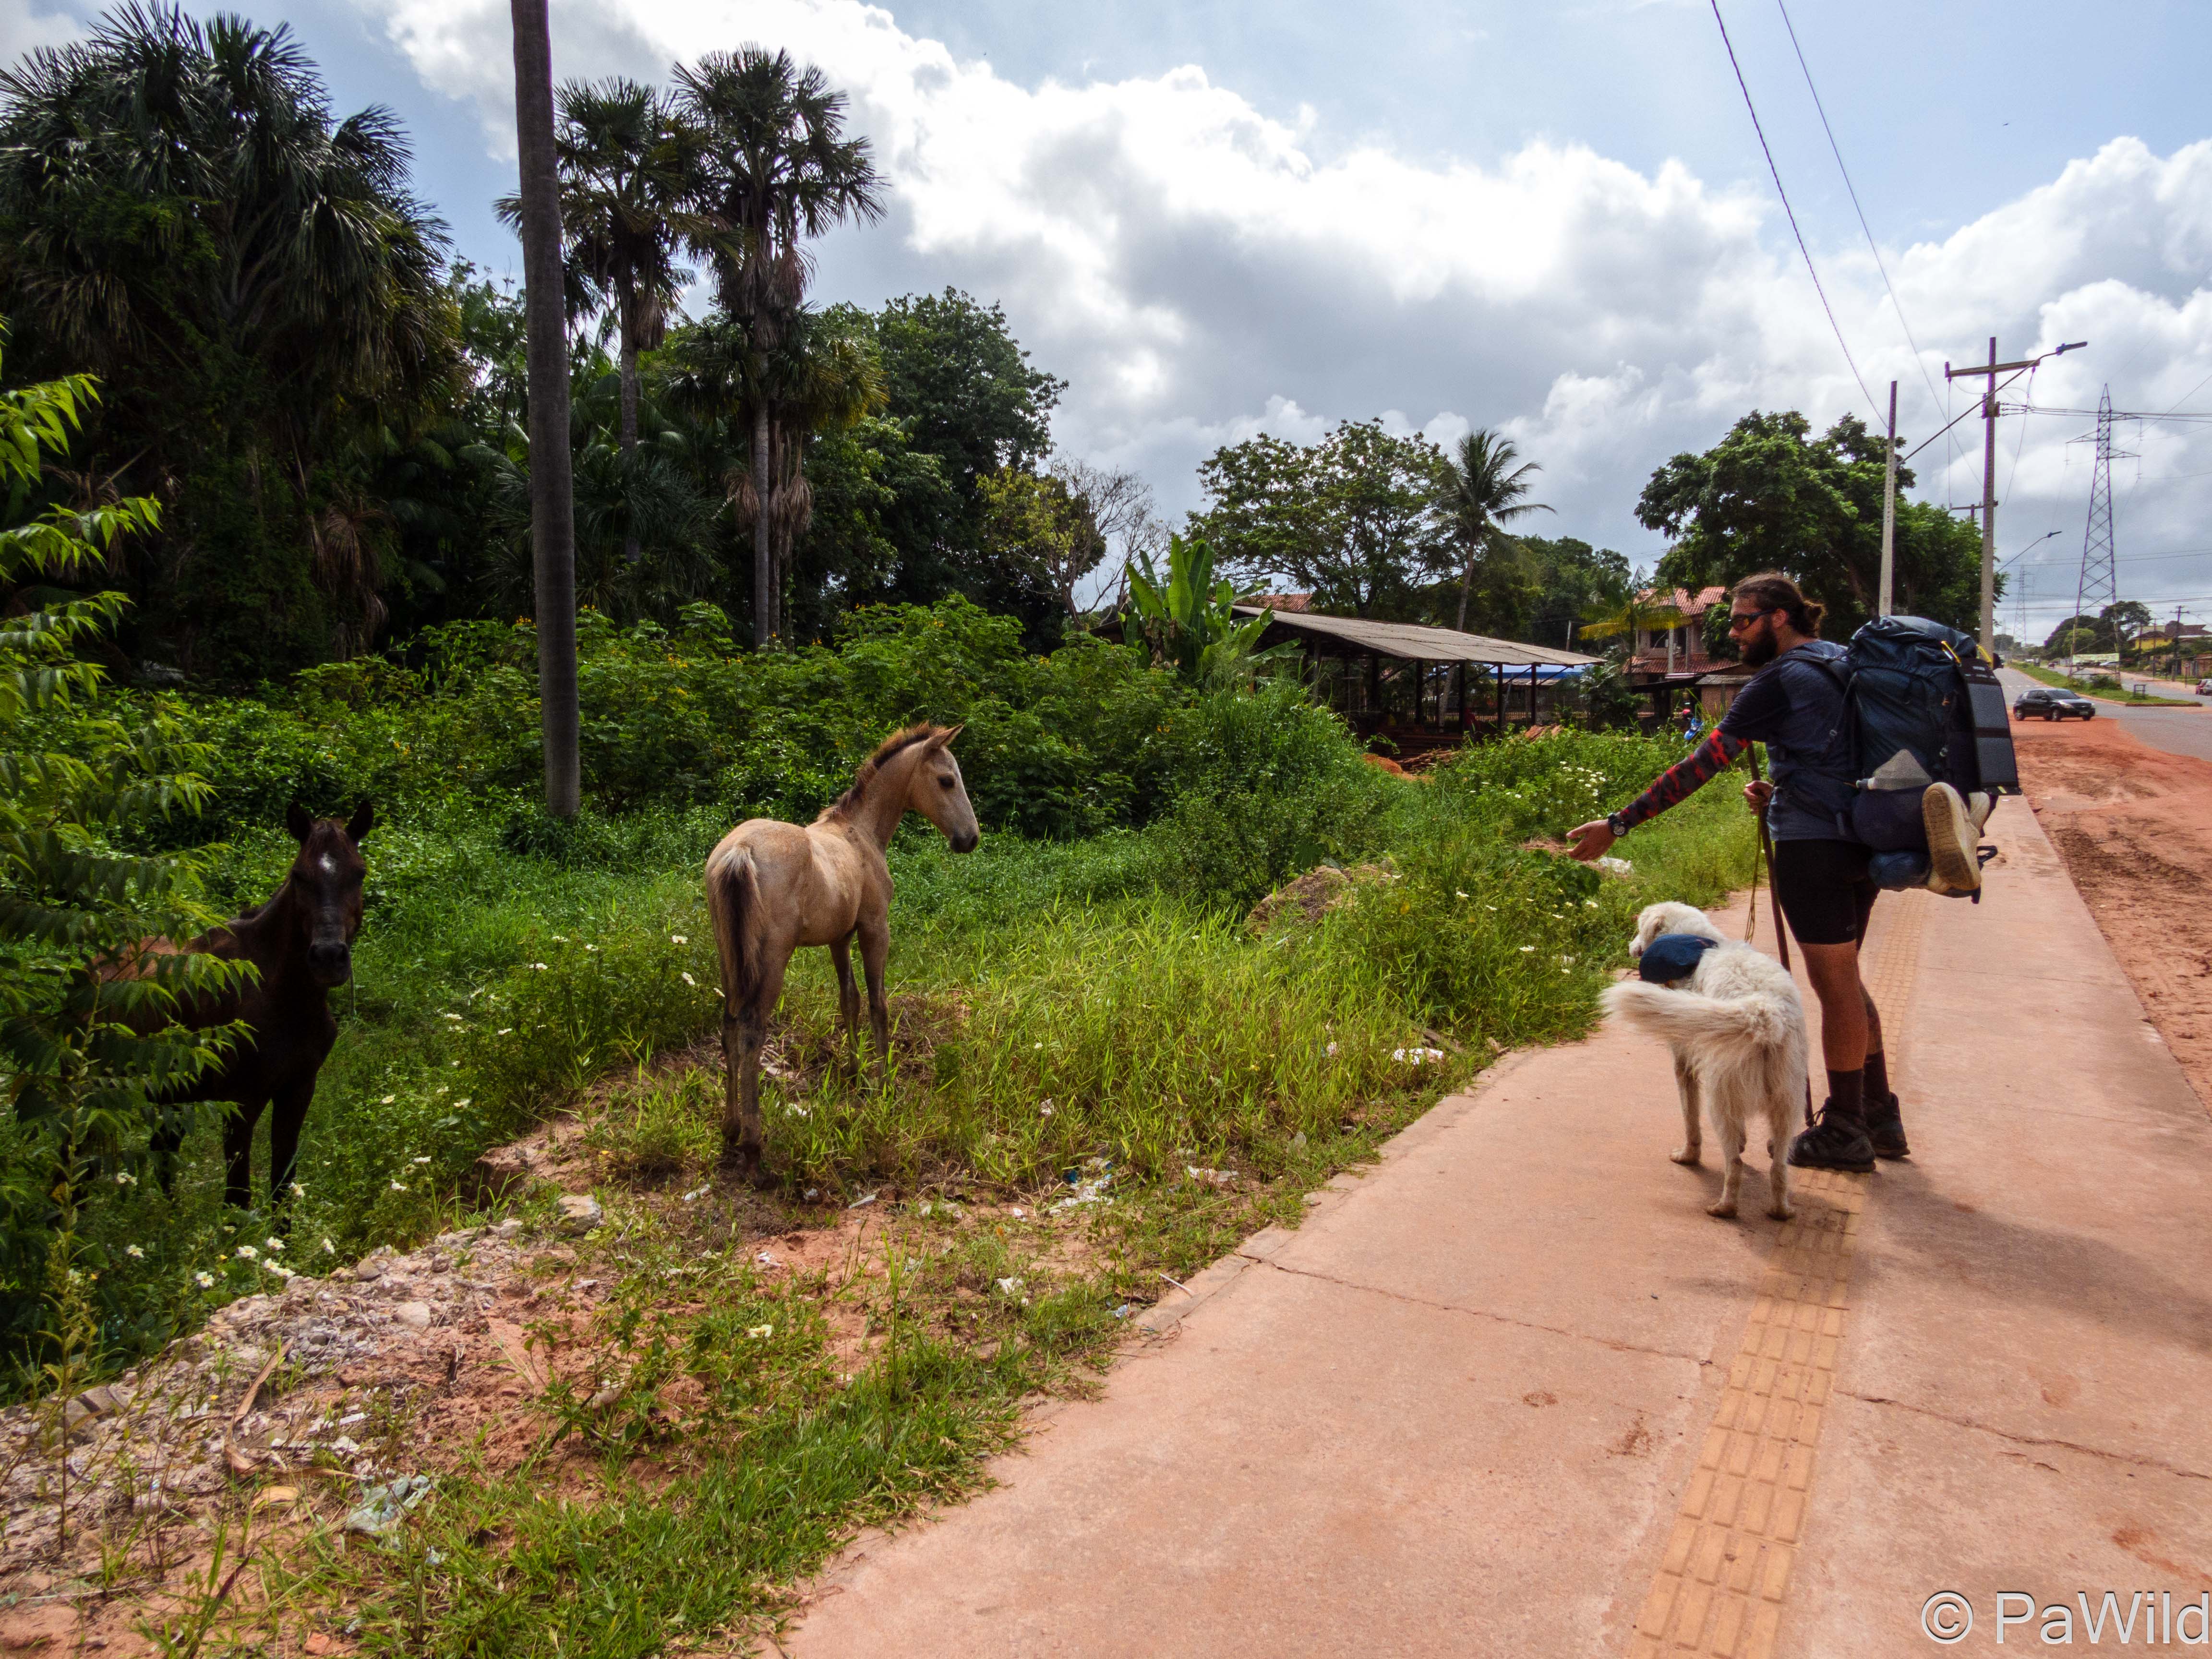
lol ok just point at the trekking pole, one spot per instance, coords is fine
(1765, 854)
(1781, 927)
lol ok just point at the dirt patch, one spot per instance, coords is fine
(2134, 825)
(1315, 892)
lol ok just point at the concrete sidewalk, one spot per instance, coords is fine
(1513, 1392)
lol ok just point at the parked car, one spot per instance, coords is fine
(2049, 704)
(2204, 687)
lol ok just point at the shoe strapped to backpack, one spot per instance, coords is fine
(1952, 837)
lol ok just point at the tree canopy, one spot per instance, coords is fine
(1355, 518)
(1770, 497)
(181, 214)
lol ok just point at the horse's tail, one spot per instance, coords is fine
(733, 897)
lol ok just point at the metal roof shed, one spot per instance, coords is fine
(1349, 638)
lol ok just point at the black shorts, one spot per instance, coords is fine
(1824, 889)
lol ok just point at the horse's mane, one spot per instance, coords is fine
(896, 743)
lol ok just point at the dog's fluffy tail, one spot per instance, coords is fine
(1692, 1019)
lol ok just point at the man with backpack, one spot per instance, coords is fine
(1796, 705)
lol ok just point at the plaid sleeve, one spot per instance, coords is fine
(1686, 777)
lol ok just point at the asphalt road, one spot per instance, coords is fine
(2177, 731)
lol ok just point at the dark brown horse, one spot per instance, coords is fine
(301, 943)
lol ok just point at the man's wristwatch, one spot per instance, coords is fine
(1618, 824)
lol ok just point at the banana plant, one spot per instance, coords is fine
(1188, 618)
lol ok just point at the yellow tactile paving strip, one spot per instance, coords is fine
(1720, 1587)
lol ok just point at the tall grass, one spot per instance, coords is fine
(1059, 1001)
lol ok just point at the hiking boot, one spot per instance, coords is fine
(1885, 1128)
(1951, 841)
(1836, 1142)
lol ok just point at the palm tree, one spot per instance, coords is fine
(822, 377)
(774, 169)
(1482, 493)
(1642, 611)
(626, 163)
(552, 484)
(180, 214)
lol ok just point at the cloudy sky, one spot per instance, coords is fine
(1216, 220)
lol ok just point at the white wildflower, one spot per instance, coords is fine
(456, 1016)
(206, 1281)
(462, 1101)
(330, 1248)
(537, 967)
(1525, 949)
(388, 1099)
(678, 938)
(397, 1188)
(508, 1031)
(1457, 893)
(694, 983)
(134, 1252)
(274, 1244)
(560, 939)
(421, 1160)
(124, 1178)
(1332, 1046)
(760, 1331)
(247, 1253)
(594, 947)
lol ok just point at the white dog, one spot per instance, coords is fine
(1737, 1029)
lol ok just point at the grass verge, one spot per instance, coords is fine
(1100, 1087)
(2104, 686)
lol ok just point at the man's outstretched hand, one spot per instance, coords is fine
(1591, 839)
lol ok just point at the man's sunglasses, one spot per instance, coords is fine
(1740, 620)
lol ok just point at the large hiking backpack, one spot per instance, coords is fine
(1921, 707)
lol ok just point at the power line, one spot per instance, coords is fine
(2191, 393)
(1775, 174)
(2175, 413)
(1852, 191)
(2140, 558)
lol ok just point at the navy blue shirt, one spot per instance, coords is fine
(1797, 710)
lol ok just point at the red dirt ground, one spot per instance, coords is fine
(2134, 825)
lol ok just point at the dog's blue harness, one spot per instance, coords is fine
(1672, 956)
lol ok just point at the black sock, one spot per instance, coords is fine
(1846, 1095)
(1877, 1079)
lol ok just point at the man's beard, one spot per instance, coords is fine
(1760, 649)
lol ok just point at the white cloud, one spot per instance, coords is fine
(24, 25)
(1200, 270)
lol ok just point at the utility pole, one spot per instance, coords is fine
(1889, 511)
(1992, 369)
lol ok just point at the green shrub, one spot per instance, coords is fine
(1265, 786)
